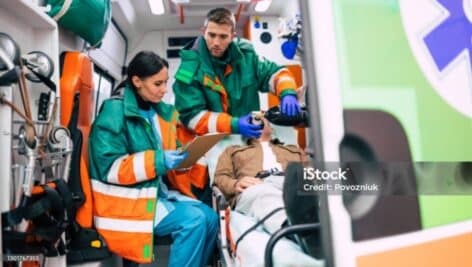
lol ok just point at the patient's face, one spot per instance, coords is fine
(267, 130)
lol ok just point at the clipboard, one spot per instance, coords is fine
(198, 147)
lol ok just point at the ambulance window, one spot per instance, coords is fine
(103, 86)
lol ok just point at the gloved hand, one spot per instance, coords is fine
(172, 158)
(247, 129)
(290, 106)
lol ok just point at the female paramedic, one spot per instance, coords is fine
(133, 156)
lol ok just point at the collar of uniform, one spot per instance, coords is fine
(131, 108)
(235, 52)
(233, 56)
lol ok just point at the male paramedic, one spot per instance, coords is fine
(251, 177)
(217, 83)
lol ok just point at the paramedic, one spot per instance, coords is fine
(218, 80)
(132, 157)
(236, 175)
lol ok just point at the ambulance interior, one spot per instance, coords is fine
(367, 98)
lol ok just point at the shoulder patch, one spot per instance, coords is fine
(188, 66)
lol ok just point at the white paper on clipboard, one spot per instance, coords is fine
(198, 147)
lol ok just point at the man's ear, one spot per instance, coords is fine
(202, 30)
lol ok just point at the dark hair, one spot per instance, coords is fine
(220, 16)
(145, 64)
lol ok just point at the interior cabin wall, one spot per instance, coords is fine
(109, 56)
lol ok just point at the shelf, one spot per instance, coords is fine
(29, 13)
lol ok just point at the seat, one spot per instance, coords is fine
(77, 101)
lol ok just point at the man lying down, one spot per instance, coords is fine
(251, 177)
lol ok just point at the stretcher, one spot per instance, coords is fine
(252, 248)
(257, 247)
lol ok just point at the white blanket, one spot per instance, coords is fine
(250, 252)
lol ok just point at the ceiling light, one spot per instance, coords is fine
(157, 7)
(262, 5)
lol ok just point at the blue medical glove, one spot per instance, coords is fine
(172, 158)
(247, 129)
(290, 105)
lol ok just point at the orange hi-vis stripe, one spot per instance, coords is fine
(184, 134)
(199, 124)
(124, 217)
(223, 123)
(224, 96)
(140, 207)
(218, 87)
(181, 181)
(131, 169)
(197, 175)
(138, 202)
(169, 132)
(210, 122)
(133, 246)
(178, 180)
(282, 80)
(228, 70)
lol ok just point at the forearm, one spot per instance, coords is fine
(129, 169)
(226, 184)
(224, 174)
(112, 163)
(206, 121)
(196, 114)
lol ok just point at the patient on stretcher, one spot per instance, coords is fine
(251, 177)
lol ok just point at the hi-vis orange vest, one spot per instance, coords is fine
(125, 160)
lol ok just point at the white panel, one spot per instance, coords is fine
(5, 155)
(290, 9)
(111, 54)
(152, 41)
(329, 90)
(69, 41)
(271, 50)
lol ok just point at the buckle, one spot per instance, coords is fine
(266, 173)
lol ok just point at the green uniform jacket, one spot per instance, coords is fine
(124, 160)
(204, 83)
(119, 130)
